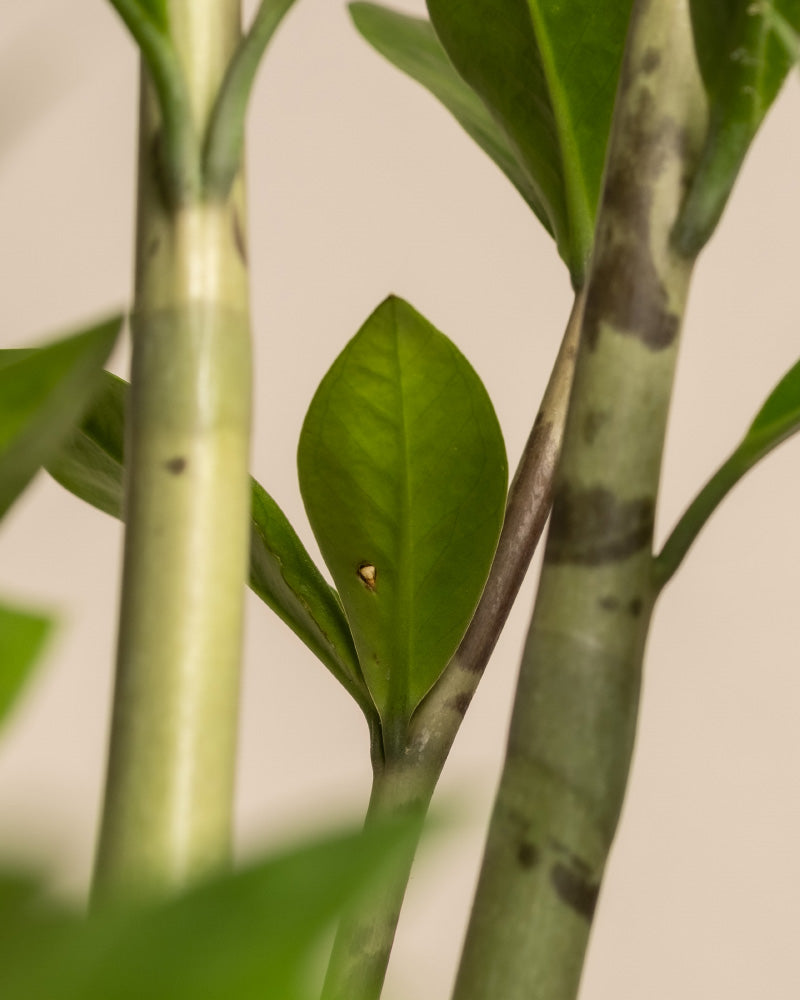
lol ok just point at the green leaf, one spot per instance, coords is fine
(410, 43)
(743, 63)
(403, 474)
(22, 636)
(548, 71)
(91, 463)
(43, 393)
(777, 420)
(249, 935)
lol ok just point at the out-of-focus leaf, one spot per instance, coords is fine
(403, 474)
(249, 935)
(43, 393)
(777, 420)
(22, 636)
(90, 464)
(410, 43)
(743, 63)
(548, 71)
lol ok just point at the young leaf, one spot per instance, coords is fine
(90, 464)
(249, 935)
(43, 393)
(410, 43)
(22, 636)
(743, 63)
(403, 475)
(777, 420)
(548, 71)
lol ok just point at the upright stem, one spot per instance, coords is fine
(574, 717)
(364, 941)
(169, 785)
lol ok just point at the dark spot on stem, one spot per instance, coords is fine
(528, 854)
(626, 291)
(635, 607)
(176, 465)
(594, 526)
(609, 603)
(574, 889)
(651, 60)
(238, 237)
(152, 246)
(592, 423)
(460, 703)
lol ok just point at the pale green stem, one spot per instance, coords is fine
(168, 800)
(574, 717)
(364, 941)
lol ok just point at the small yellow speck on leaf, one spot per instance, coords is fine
(368, 575)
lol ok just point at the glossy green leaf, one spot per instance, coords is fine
(548, 71)
(90, 464)
(403, 474)
(410, 43)
(22, 636)
(43, 393)
(250, 935)
(743, 63)
(777, 420)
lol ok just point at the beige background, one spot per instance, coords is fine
(362, 185)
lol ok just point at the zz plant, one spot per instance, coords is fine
(623, 124)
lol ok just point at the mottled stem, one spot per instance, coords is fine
(364, 941)
(168, 798)
(574, 717)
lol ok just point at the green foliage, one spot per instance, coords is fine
(222, 155)
(743, 62)
(157, 11)
(90, 464)
(22, 636)
(42, 395)
(777, 420)
(249, 935)
(403, 473)
(410, 43)
(548, 72)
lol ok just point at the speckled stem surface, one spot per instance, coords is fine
(574, 718)
(168, 799)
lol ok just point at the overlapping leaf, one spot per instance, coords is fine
(744, 62)
(547, 71)
(282, 574)
(43, 393)
(777, 420)
(22, 636)
(249, 935)
(410, 43)
(403, 473)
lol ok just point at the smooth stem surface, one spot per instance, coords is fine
(169, 787)
(574, 718)
(364, 941)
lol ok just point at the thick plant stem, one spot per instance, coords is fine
(169, 785)
(364, 941)
(360, 955)
(574, 718)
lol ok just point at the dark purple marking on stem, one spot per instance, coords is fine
(593, 526)
(635, 607)
(175, 465)
(528, 854)
(592, 423)
(238, 237)
(626, 291)
(575, 889)
(460, 703)
(651, 60)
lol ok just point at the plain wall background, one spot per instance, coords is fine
(361, 185)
